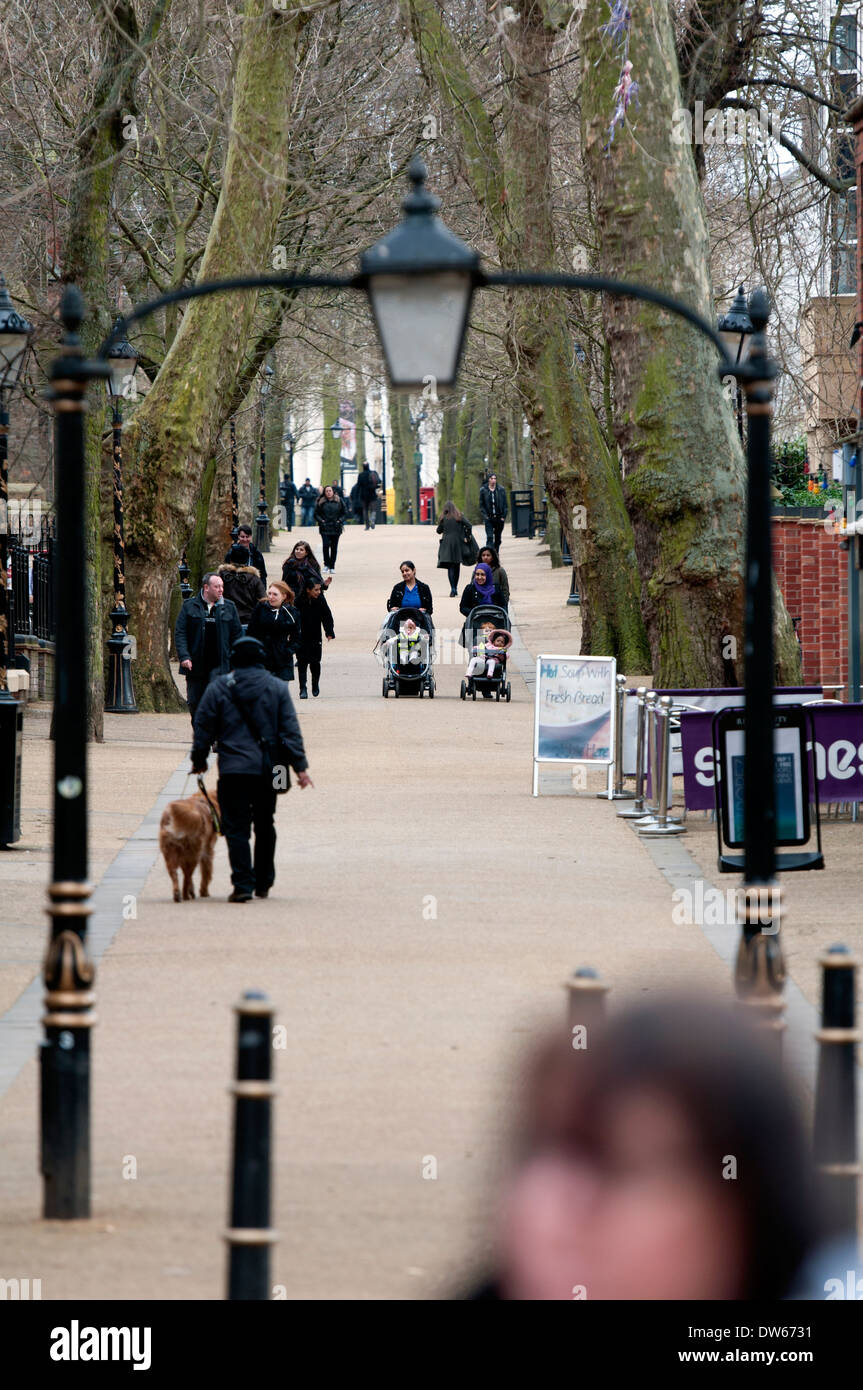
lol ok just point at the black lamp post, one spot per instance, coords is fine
(734, 328)
(14, 340)
(119, 691)
(290, 441)
(235, 501)
(382, 440)
(262, 521)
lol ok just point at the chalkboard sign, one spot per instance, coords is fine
(575, 710)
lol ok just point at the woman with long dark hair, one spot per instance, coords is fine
(489, 556)
(301, 566)
(330, 515)
(453, 530)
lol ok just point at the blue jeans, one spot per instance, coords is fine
(308, 514)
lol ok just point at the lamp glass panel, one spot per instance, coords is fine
(12, 349)
(421, 320)
(122, 369)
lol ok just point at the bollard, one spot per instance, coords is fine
(663, 825)
(637, 807)
(586, 1000)
(759, 970)
(618, 793)
(651, 804)
(835, 1128)
(250, 1235)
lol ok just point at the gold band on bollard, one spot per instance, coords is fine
(251, 1236)
(839, 1035)
(253, 1090)
(87, 1020)
(253, 1007)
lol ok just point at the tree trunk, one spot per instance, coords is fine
(682, 463)
(173, 436)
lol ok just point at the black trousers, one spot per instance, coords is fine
(245, 802)
(309, 659)
(195, 687)
(370, 513)
(453, 572)
(331, 547)
(494, 531)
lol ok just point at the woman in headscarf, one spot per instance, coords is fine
(482, 589)
(489, 556)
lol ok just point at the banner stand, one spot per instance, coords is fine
(575, 713)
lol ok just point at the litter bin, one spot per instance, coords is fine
(11, 740)
(522, 501)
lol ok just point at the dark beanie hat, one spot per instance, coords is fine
(247, 651)
(238, 555)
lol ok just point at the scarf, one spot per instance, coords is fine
(485, 591)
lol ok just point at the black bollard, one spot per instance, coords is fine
(250, 1235)
(586, 1006)
(835, 1131)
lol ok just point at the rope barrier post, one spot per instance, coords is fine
(636, 810)
(250, 1235)
(664, 825)
(651, 760)
(835, 1128)
(618, 793)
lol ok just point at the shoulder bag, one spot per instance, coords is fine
(469, 547)
(276, 753)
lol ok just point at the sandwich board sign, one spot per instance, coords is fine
(574, 711)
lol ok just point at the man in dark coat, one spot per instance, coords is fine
(367, 487)
(243, 585)
(492, 506)
(253, 555)
(288, 497)
(308, 496)
(207, 627)
(247, 787)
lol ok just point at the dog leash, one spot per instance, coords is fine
(213, 812)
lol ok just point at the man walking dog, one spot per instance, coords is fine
(248, 714)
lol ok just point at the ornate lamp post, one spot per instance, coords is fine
(262, 521)
(382, 440)
(734, 328)
(235, 501)
(15, 334)
(119, 691)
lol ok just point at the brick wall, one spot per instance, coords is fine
(812, 574)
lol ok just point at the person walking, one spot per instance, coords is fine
(207, 627)
(492, 506)
(315, 616)
(367, 486)
(411, 593)
(288, 498)
(330, 514)
(253, 554)
(248, 714)
(455, 532)
(489, 556)
(243, 585)
(276, 624)
(308, 496)
(301, 566)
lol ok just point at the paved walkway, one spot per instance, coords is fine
(427, 910)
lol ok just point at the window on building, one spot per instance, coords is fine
(844, 53)
(844, 276)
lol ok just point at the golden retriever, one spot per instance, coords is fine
(187, 837)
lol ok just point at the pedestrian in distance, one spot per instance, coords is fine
(368, 487)
(288, 497)
(247, 715)
(253, 555)
(411, 592)
(315, 618)
(455, 532)
(243, 585)
(206, 629)
(276, 624)
(301, 566)
(493, 509)
(330, 515)
(308, 496)
(488, 556)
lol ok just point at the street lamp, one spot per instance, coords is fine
(734, 328)
(119, 690)
(262, 539)
(15, 334)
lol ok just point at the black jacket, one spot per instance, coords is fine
(330, 516)
(244, 587)
(279, 629)
(189, 633)
(368, 483)
(453, 534)
(256, 559)
(315, 615)
(492, 504)
(471, 599)
(297, 573)
(287, 492)
(271, 710)
(307, 494)
(398, 593)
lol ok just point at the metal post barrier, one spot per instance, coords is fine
(637, 807)
(619, 793)
(651, 802)
(585, 1004)
(835, 1129)
(250, 1236)
(664, 825)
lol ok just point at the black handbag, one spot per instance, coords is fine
(276, 753)
(469, 548)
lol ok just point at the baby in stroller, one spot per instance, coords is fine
(488, 638)
(405, 647)
(488, 654)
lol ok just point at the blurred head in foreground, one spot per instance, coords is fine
(665, 1161)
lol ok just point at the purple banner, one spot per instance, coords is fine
(838, 755)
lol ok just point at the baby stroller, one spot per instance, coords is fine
(407, 660)
(496, 685)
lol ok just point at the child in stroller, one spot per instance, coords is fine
(405, 644)
(488, 639)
